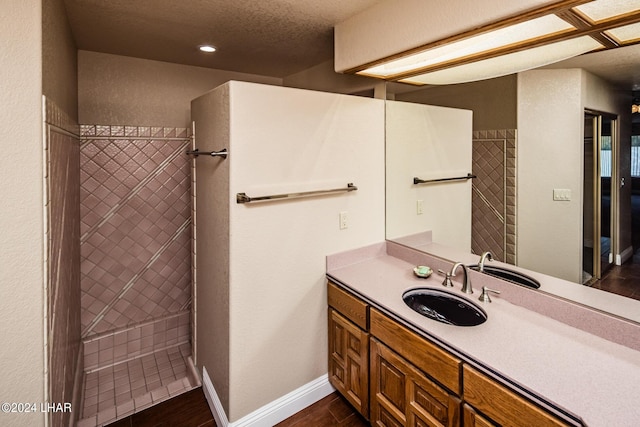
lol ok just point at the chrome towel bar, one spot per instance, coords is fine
(195, 153)
(417, 180)
(243, 198)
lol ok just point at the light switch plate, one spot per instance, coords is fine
(344, 220)
(562, 194)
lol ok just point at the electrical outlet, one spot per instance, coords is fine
(420, 207)
(344, 220)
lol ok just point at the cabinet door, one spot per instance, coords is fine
(473, 419)
(349, 361)
(401, 395)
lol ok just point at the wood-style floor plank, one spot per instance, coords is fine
(189, 409)
(333, 410)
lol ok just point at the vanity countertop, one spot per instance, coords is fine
(582, 373)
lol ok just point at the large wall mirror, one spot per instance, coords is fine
(533, 125)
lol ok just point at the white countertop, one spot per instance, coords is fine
(591, 377)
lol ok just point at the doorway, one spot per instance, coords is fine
(599, 197)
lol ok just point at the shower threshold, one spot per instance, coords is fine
(115, 392)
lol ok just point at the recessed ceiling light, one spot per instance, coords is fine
(207, 48)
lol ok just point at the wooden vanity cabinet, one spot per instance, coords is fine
(500, 404)
(401, 395)
(349, 347)
(395, 377)
(472, 419)
(416, 383)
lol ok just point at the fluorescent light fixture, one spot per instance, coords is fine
(507, 64)
(207, 48)
(471, 46)
(538, 37)
(600, 10)
(626, 34)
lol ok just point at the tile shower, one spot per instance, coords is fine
(493, 224)
(136, 286)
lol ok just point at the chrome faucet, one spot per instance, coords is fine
(486, 256)
(466, 281)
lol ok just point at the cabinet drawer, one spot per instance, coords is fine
(349, 306)
(437, 363)
(501, 404)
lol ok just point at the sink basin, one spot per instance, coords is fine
(510, 275)
(444, 307)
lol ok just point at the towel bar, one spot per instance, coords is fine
(243, 198)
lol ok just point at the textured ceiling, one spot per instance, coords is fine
(268, 37)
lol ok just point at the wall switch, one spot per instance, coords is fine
(420, 207)
(344, 220)
(562, 194)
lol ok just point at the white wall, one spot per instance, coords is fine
(288, 140)
(21, 219)
(428, 142)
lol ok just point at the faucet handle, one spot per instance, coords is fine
(484, 296)
(447, 279)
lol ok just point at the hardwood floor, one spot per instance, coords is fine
(191, 410)
(186, 410)
(622, 279)
(333, 410)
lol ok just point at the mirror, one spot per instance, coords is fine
(539, 107)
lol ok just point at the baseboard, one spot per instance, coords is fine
(213, 400)
(274, 412)
(626, 255)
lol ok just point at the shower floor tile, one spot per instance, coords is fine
(117, 391)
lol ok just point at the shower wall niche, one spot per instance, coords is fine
(136, 287)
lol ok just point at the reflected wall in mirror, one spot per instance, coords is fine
(545, 108)
(432, 144)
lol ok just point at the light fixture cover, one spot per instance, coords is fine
(485, 42)
(508, 64)
(518, 43)
(207, 48)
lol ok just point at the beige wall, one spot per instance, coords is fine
(21, 222)
(492, 101)
(550, 149)
(121, 90)
(271, 283)
(59, 58)
(428, 142)
(322, 77)
(551, 107)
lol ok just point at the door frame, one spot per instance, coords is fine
(597, 189)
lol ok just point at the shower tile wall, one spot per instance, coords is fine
(135, 258)
(62, 182)
(494, 194)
